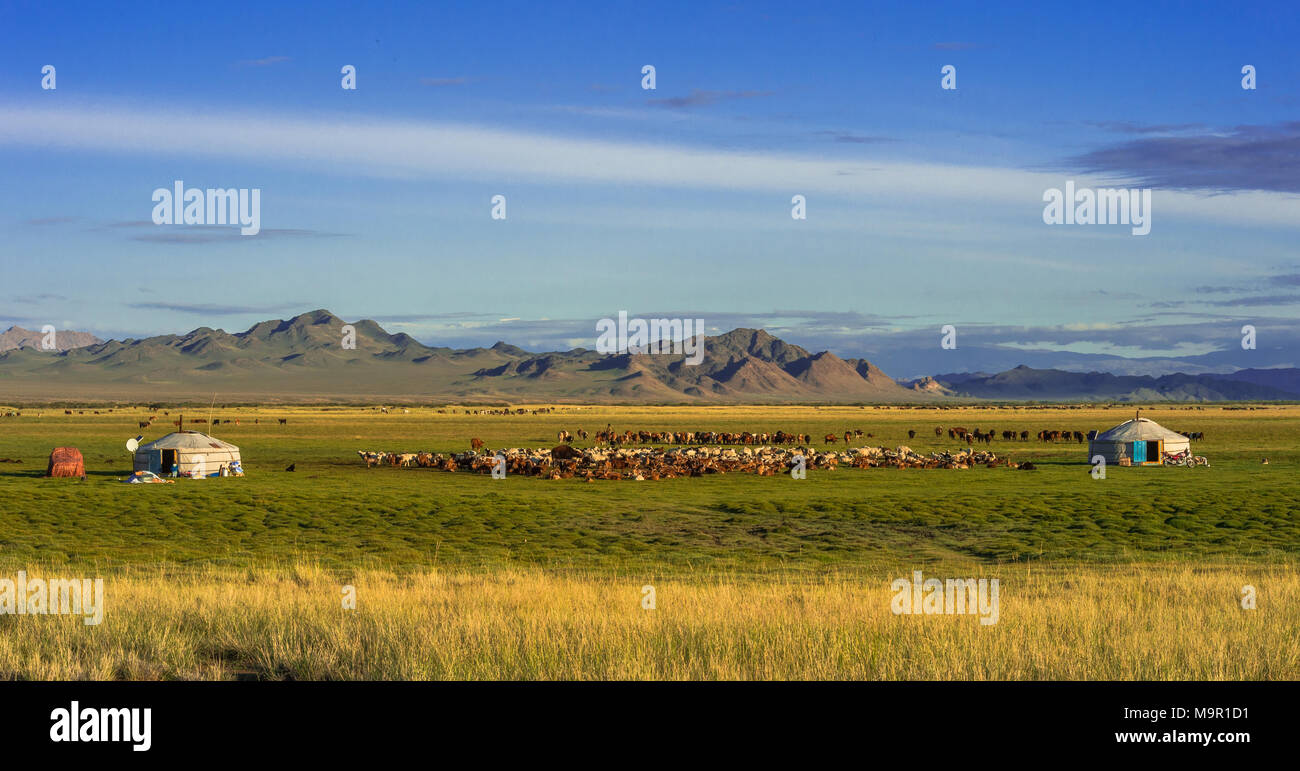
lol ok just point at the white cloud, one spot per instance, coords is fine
(398, 148)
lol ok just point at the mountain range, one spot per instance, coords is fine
(306, 359)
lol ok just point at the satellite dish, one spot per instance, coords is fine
(133, 444)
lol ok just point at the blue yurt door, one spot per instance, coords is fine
(1139, 452)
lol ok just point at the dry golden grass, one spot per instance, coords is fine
(1085, 622)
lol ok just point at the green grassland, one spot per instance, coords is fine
(334, 512)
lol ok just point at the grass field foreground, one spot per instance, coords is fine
(1118, 622)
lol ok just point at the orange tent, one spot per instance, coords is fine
(66, 462)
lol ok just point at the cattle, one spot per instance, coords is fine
(938, 431)
(830, 438)
(283, 421)
(1024, 436)
(848, 437)
(476, 444)
(198, 420)
(911, 434)
(563, 436)
(565, 452)
(144, 424)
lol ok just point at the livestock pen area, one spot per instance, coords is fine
(898, 488)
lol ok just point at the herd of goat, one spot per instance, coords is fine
(653, 463)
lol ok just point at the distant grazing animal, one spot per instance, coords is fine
(216, 421)
(144, 424)
(1024, 436)
(283, 421)
(911, 434)
(476, 443)
(198, 420)
(848, 436)
(564, 452)
(830, 438)
(1264, 462)
(1027, 466)
(291, 467)
(938, 431)
(563, 436)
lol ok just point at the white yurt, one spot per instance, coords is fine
(188, 454)
(1143, 442)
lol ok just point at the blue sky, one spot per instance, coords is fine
(924, 205)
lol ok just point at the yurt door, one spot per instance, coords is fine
(1139, 452)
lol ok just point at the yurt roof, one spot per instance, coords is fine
(1140, 430)
(188, 440)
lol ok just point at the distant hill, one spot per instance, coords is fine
(1284, 378)
(303, 359)
(64, 339)
(1027, 384)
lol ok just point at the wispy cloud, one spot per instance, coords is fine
(1257, 301)
(205, 309)
(263, 62)
(703, 98)
(955, 46)
(1263, 158)
(849, 137)
(1132, 127)
(210, 234)
(460, 81)
(32, 299)
(413, 149)
(41, 221)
